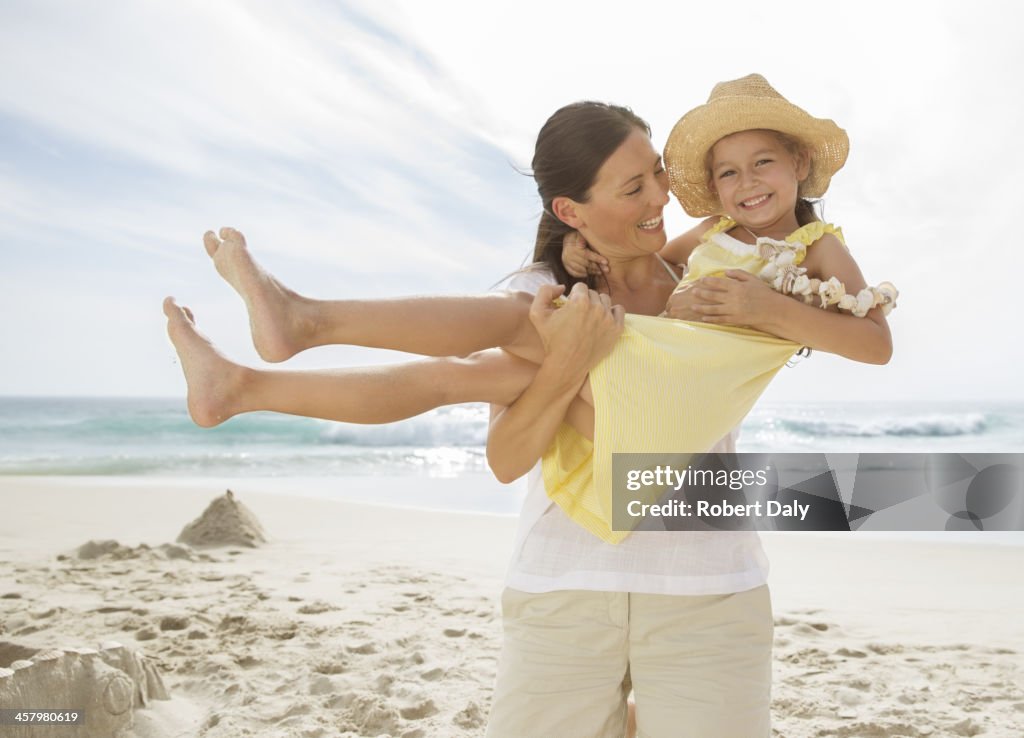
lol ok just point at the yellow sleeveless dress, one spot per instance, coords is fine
(669, 386)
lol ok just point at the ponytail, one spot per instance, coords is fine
(807, 211)
(548, 251)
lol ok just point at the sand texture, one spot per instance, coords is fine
(354, 620)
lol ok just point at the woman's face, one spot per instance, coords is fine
(757, 180)
(624, 213)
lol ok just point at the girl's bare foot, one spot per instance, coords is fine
(214, 382)
(278, 317)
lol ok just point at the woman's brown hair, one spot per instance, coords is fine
(571, 147)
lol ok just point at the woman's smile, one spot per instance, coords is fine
(653, 225)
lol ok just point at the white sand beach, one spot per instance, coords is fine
(363, 620)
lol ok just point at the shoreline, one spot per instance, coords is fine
(379, 491)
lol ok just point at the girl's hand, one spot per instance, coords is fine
(739, 298)
(579, 259)
(579, 332)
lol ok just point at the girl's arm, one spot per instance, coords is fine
(743, 299)
(576, 336)
(579, 259)
(678, 250)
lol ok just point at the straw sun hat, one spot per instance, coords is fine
(741, 105)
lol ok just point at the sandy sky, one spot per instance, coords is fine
(372, 149)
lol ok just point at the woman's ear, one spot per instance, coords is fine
(565, 209)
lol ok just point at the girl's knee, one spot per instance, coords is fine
(493, 375)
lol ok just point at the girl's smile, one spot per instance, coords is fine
(755, 202)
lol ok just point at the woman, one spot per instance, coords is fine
(682, 618)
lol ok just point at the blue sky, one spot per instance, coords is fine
(371, 149)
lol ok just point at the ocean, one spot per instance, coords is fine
(125, 440)
(154, 437)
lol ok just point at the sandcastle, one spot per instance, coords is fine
(105, 685)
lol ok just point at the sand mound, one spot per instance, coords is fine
(105, 550)
(225, 522)
(96, 549)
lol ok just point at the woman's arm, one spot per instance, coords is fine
(576, 336)
(743, 299)
(519, 434)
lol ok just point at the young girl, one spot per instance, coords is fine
(750, 154)
(749, 157)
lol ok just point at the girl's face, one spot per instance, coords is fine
(757, 180)
(623, 216)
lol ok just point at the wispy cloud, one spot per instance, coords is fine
(335, 124)
(368, 148)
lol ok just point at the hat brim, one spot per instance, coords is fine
(697, 131)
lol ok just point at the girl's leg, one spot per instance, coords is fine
(219, 388)
(283, 322)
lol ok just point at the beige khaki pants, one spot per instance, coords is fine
(700, 665)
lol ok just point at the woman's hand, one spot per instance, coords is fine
(682, 303)
(581, 331)
(579, 259)
(739, 298)
(576, 335)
